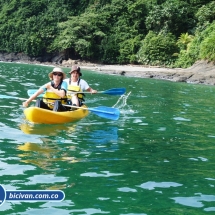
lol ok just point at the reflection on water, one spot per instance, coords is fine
(104, 136)
(49, 130)
(45, 155)
(49, 152)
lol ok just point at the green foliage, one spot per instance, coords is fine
(188, 57)
(207, 48)
(157, 49)
(82, 33)
(31, 26)
(109, 50)
(172, 16)
(205, 15)
(184, 60)
(206, 45)
(201, 47)
(128, 50)
(110, 31)
(184, 41)
(103, 31)
(126, 32)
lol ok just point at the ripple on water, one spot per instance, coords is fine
(102, 174)
(151, 185)
(194, 201)
(137, 121)
(15, 135)
(127, 189)
(55, 210)
(48, 179)
(210, 209)
(199, 158)
(162, 129)
(181, 119)
(14, 169)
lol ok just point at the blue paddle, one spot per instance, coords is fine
(113, 91)
(102, 111)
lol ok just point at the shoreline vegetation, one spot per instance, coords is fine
(167, 34)
(172, 33)
(202, 72)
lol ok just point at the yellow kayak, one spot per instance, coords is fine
(40, 115)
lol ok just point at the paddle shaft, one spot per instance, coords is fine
(90, 109)
(113, 91)
(23, 99)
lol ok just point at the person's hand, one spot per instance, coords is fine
(93, 91)
(25, 104)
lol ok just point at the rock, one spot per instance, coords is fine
(202, 72)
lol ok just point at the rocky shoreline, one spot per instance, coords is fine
(202, 72)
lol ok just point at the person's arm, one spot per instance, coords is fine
(28, 101)
(91, 90)
(61, 92)
(87, 87)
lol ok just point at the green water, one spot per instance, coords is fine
(158, 158)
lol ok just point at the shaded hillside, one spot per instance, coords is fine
(168, 33)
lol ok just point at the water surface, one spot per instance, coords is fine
(158, 158)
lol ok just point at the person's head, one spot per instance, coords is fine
(75, 69)
(57, 72)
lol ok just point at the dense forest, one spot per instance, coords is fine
(172, 33)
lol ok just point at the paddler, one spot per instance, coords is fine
(76, 87)
(55, 92)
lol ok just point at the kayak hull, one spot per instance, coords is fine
(43, 116)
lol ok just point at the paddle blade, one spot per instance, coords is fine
(115, 91)
(32, 91)
(106, 112)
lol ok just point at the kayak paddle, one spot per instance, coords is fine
(102, 111)
(113, 91)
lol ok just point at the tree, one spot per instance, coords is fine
(80, 33)
(184, 41)
(157, 49)
(172, 16)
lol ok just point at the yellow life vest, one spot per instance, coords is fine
(50, 97)
(72, 89)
